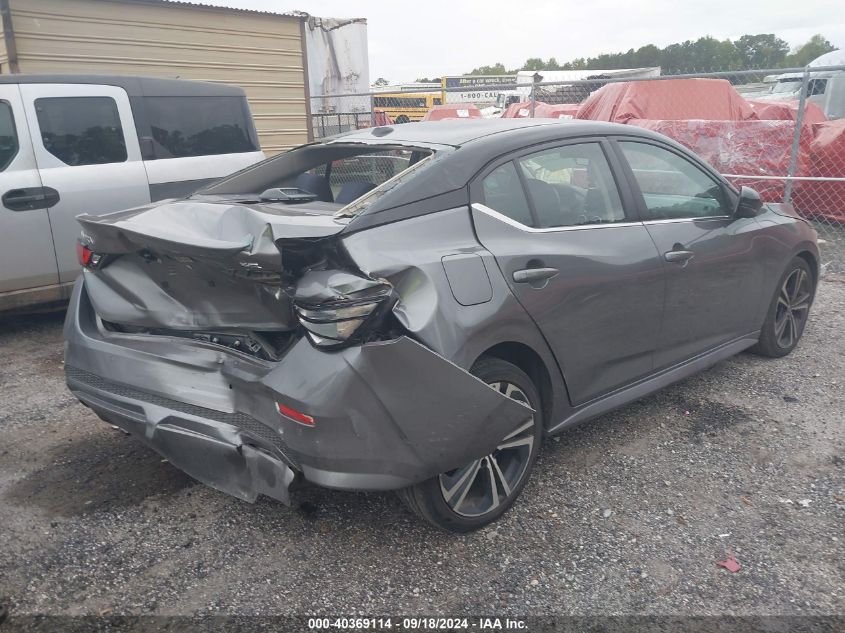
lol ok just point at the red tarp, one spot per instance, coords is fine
(666, 99)
(746, 148)
(556, 110)
(452, 111)
(380, 117)
(827, 159)
(541, 110)
(517, 111)
(786, 111)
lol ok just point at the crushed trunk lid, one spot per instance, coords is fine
(203, 263)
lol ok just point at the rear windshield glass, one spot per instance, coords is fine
(200, 126)
(336, 174)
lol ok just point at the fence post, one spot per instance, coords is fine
(796, 136)
(534, 82)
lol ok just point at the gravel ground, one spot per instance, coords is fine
(628, 514)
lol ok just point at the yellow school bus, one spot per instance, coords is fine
(404, 107)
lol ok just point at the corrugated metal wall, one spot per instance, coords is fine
(260, 52)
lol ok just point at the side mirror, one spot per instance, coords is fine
(749, 204)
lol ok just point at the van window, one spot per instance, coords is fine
(8, 135)
(81, 130)
(200, 126)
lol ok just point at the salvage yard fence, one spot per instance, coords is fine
(780, 131)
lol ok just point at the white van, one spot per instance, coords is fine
(72, 144)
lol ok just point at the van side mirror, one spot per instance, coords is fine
(749, 204)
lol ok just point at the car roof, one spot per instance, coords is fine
(476, 143)
(458, 132)
(135, 86)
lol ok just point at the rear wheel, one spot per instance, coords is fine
(788, 311)
(478, 493)
(402, 119)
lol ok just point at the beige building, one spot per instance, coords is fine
(264, 53)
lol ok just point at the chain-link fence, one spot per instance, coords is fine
(780, 131)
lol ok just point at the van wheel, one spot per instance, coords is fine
(788, 311)
(475, 495)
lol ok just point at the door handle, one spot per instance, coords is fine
(531, 275)
(29, 198)
(681, 257)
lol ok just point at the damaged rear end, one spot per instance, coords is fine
(234, 335)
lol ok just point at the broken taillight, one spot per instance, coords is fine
(86, 257)
(295, 415)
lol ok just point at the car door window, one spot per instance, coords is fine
(503, 192)
(673, 187)
(571, 185)
(81, 130)
(8, 135)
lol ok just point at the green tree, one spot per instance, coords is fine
(381, 81)
(765, 50)
(816, 46)
(496, 69)
(425, 80)
(706, 54)
(645, 56)
(576, 64)
(534, 63)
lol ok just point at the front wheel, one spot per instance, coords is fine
(478, 493)
(788, 311)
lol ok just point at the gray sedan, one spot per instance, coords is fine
(416, 308)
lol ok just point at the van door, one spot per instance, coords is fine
(27, 259)
(86, 149)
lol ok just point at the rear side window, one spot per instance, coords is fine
(8, 135)
(200, 126)
(571, 186)
(81, 130)
(503, 193)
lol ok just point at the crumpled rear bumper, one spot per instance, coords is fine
(214, 448)
(388, 414)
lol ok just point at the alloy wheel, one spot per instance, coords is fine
(793, 306)
(484, 484)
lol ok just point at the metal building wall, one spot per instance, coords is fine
(261, 52)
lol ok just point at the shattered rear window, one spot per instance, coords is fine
(361, 204)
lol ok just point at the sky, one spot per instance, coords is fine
(425, 38)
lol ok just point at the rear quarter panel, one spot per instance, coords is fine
(410, 255)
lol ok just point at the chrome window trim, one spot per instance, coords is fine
(695, 219)
(477, 206)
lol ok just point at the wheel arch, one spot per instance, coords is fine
(529, 361)
(812, 262)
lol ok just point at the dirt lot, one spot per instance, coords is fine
(628, 514)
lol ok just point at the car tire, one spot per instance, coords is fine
(788, 311)
(428, 500)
